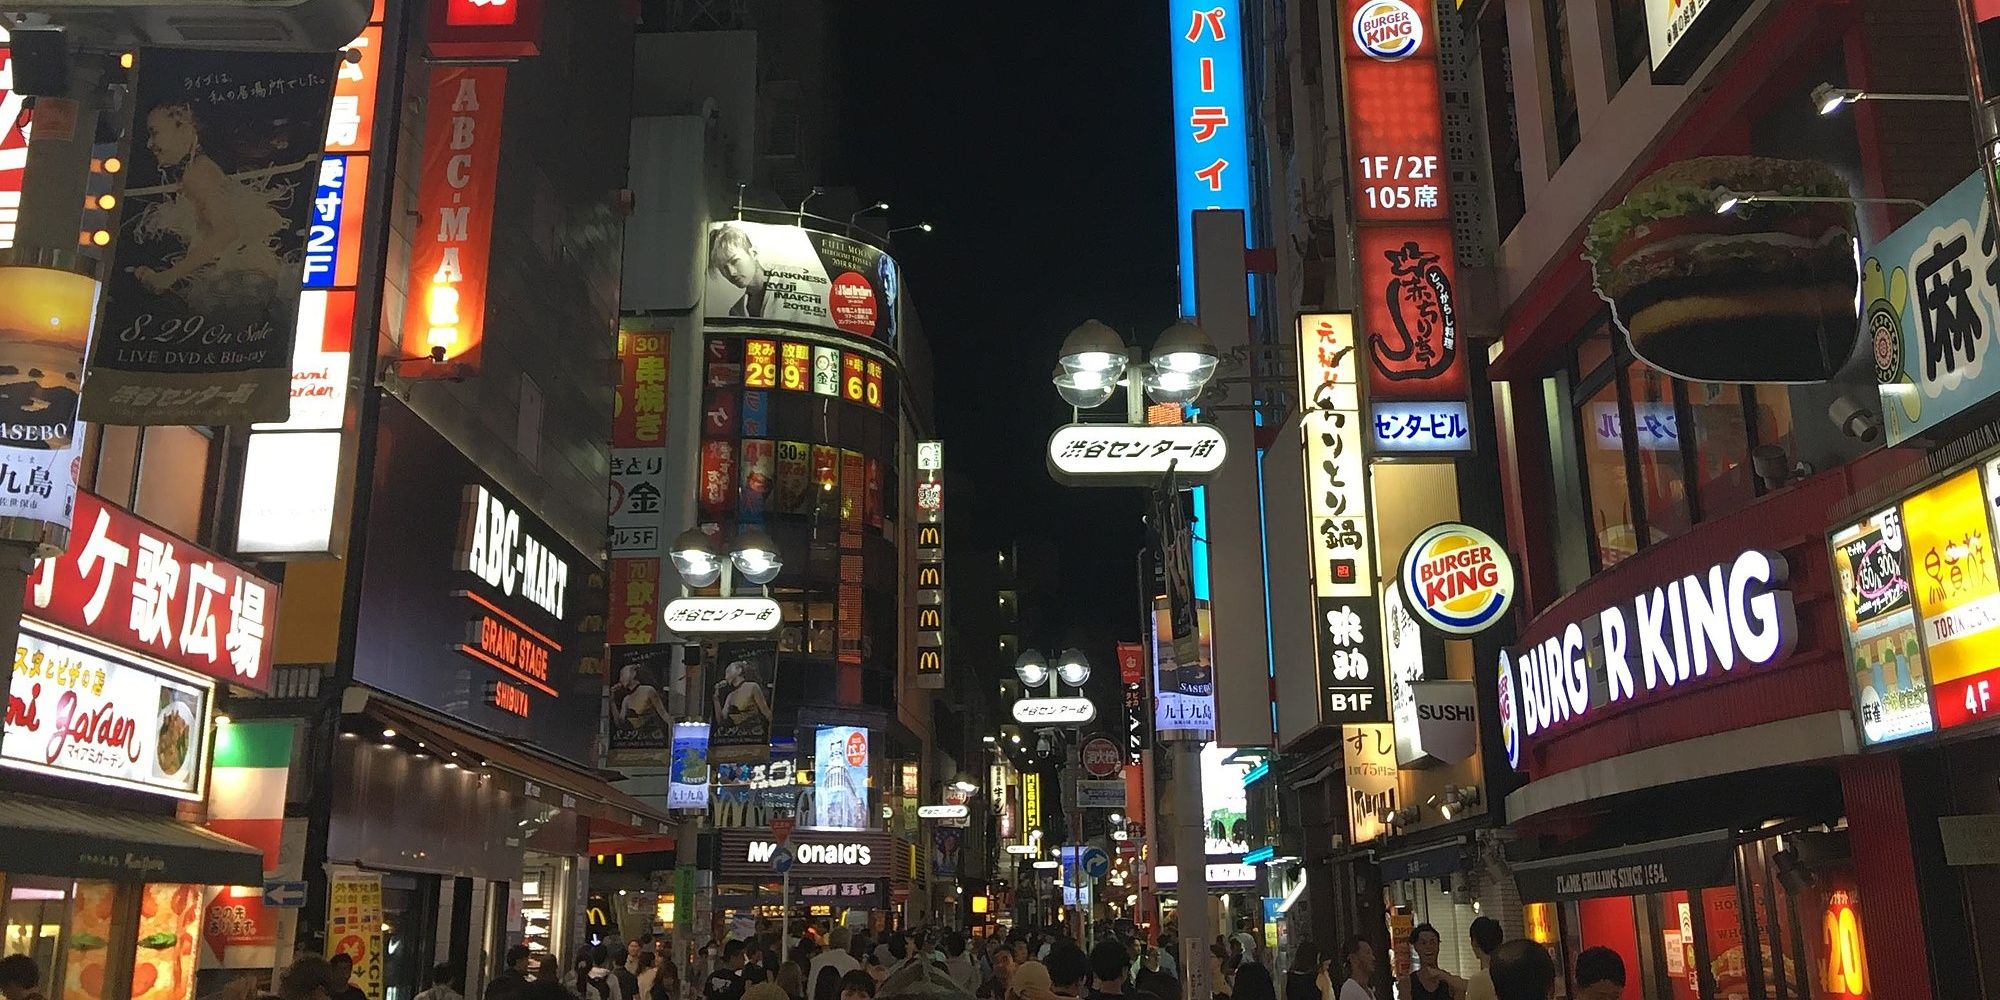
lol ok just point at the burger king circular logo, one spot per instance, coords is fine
(1510, 716)
(1457, 578)
(1388, 29)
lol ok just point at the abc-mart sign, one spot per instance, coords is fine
(1457, 579)
(1690, 632)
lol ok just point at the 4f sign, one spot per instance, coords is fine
(1458, 579)
(1123, 455)
(1054, 711)
(722, 616)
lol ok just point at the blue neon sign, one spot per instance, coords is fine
(1211, 119)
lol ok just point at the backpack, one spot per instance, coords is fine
(591, 987)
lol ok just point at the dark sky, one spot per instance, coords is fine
(1035, 137)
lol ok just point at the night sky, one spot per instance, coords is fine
(1035, 137)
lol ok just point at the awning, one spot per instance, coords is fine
(615, 817)
(69, 840)
(1696, 861)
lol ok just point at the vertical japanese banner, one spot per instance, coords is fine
(1345, 610)
(795, 367)
(930, 592)
(354, 926)
(444, 316)
(1405, 254)
(45, 324)
(753, 497)
(718, 479)
(1132, 681)
(203, 293)
(1211, 123)
(639, 535)
(794, 488)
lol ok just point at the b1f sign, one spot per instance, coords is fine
(1125, 455)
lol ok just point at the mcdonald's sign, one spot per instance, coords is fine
(930, 576)
(930, 536)
(930, 619)
(930, 662)
(930, 566)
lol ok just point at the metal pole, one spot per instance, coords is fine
(1191, 855)
(785, 924)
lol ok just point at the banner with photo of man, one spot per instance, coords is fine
(795, 275)
(840, 770)
(202, 295)
(641, 723)
(740, 704)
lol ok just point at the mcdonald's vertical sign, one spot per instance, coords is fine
(930, 564)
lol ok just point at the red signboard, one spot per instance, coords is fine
(853, 380)
(718, 478)
(350, 124)
(446, 307)
(640, 420)
(485, 29)
(1395, 131)
(1101, 757)
(140, 587)
(1131, 662)
(635, 600)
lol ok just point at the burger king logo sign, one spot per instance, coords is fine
(1458, 579)
(1388, 30)
(1510, 713)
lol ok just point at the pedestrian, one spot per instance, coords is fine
(1523, 970)
(1306, 979)
(1153, 976)
(1030, 981)
(1253, 982)
(513, 977)
(824, 974)
(726, 982)
(309, 977)
(1219, 968)
(633, 958)
(758, 985)
(1360, 970)
(341, 986)
(1427, 981)
(995, 986)
(792, 980)
(1600, 974)
(857, 985)
(444, 983)
(958, 965)
(1069, 969)
(20, 977)
(1486, 936)
(1245, 939)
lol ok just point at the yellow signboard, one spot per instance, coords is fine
(1951, 562)
(354, 926)
(1031, 801)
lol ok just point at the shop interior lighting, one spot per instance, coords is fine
(1828, 98)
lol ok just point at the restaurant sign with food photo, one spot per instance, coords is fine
(78, 713)
(1733, 269)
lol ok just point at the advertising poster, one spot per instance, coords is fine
(740, 705)
(45, 323)
(795, 366)
(1224, 805)
(1885, 663)
(718, 479)
(146, 730)
(750, 795)
(840, 778)
(794, 493)
(202, 299)
(167, 943)
(1957, 595)
(759, 271)
(354, 926)
(687, 780)
(759, 478)
(760, 364)
(947, 844)
(1368, 752)
(641, 676)
(1183, 699)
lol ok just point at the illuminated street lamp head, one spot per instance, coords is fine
(1183, 361)
(1726, 202)
(1093, 358)
(1073, 668)
(756, 556)
(1085, 390)
(1828, 98)
(696, 559)
(1032, 669)
(965, 786)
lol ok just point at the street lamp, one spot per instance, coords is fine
(696, 559)
(756, 556)
(1828, 98)
(924, 227)
(1095, 360)
(1073, 668)
(1032, 669)
(700, 562)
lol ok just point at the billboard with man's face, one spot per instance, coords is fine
(791, 275)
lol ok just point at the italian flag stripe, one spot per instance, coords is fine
(254, 744)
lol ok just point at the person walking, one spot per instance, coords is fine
(830, 966)
(1360, 970)
(1523, 970)
(1253, 982)
(1306, 979)
(726, 982)
(1600, 974)
(514, 977)
(19, 977)
(342, 987)
(444, 983)
(1108, 969)
(1486, 935)
(1427, 981)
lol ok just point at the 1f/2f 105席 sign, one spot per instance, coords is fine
(1125, 455)
(722, 616)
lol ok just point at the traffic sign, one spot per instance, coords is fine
(1101, 758)
(285, 895)
(781, 859)
(781, 828)
(1096, 863)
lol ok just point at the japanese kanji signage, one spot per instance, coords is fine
(198, 326)
(1347, 617)
(76, 712)
(472, 604)
(45, 323)
(1134, 455)
(1368, 755)
(141, 588)
(639, 534)
(1211, 122)
(445, 309)
(1404, 251)
(930, 565)
(484, 29)
(13, 145)
(1931, 302)
(704, 616)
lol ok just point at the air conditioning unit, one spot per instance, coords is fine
(267, 25)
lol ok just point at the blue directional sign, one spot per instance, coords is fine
(285, 895)
(1096, 863)
(781, 859)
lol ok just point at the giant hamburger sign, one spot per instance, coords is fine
(1457, 578)
(1733, 269)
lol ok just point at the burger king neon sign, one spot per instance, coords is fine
(1388, 30)
(1457, 578)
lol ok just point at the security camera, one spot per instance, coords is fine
(1772, 465)
(1854, 420)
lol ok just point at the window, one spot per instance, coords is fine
(1659, 455)
(1562, 78)
(1628, 36)
(1503, 133)
(162, 476)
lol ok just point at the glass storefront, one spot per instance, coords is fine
(101, 940)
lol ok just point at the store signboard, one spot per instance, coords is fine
(75, 710)
(1680, 34)
(1950, 540)
(1928, 290)
(1368, 754)
(845, 855)
(1885, 661)
(1457, 578)
(354, 926)
(445, 315)
(484, 29)
(1134, 455)
(1211, 119)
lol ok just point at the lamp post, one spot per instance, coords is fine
(1072, 669)
(700, 562)
(1096, 362)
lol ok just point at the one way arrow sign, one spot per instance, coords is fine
(285, 895)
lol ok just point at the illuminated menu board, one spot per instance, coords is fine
(1885, 662)
(1957, 594)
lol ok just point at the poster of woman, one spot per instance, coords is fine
(740, 707)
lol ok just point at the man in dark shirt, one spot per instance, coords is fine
(1108, 967)
(726, 982)
(343, 987)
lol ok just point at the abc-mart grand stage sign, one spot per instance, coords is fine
(1687, 633)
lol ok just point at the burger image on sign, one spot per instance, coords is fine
(1733, 269)
(1457, 579)
(1388, 30)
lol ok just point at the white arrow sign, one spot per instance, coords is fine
(1134, 455)
(722, 616)
(943, 812)
(1054, 711)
